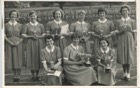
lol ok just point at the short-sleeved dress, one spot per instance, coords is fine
(54, 27)
(48, 57)
(104, 77)
(77, 74)
(125, 44)
(79, 28)
(13, 55)
(103, 28)
(34, 46)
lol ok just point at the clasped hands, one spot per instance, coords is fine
(100, 36)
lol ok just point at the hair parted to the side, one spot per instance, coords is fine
(13, 11)
(102, 39)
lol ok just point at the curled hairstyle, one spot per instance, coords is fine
(32, 12)
(102, 9)
(49, 37)
(75, 35)
(13, 11)
(81, 11)
(124, 6)
(104, 40)
(62, 13)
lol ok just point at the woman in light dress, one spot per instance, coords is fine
(13, 45)
(126, 27)
(34, 33)
(75, 70)
(106, 63)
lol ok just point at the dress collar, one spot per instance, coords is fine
(58, 22)
(125, 19)
(34, 24)
(102, 21)
(12, 23)
(74, 47)
(49, 49)
(106, 51)
(83, 22)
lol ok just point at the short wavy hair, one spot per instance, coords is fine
(13, 11)
(124, 6)
(62, 13)
(102, 9)
(102, 39)
(32, 12)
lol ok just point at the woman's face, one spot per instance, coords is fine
(81, 16)
(13, 15)
(102, 14)
(103, 44)
(124, 11)
(49, 42)
(33, 17)
(76, 41)
(58, 15)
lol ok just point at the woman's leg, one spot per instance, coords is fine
(37, 72)
(18, 74)
(33, 74)
(15, 75)
(128, 70)
(124, 70)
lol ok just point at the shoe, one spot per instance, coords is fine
(37, 78)
(14, 79)
(18, 79)
(128, 77)
(33, 79)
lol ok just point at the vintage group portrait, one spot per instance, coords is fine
(70, 43)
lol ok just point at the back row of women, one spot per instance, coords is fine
(40, 48)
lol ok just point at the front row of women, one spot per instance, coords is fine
(75, 71)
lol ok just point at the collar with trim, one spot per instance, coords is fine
(58, 22)
(102, 21)
(74, 47)
(125, 19)
(12, 23)
(83, 22)
(34, 24)
(106, 51)
(49, 49)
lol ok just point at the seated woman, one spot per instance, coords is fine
(106, 68)
(75, 70)
(51, 60)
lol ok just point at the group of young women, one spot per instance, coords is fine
(70, 51)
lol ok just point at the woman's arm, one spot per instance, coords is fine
(7, 40)
(45, 66)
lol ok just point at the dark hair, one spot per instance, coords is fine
(104, 40)
(75, 35)
(13, 11)
(62, 13)
(124, 6)
(101, 9)
(32, 12)
(49, 37)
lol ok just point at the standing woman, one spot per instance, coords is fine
(34, 32)
(54, 28)
(103, 28)
(81, 28)
(126, 48)
(13, 45)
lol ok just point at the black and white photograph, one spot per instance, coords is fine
(70, 43)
